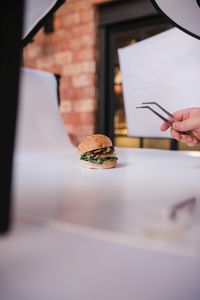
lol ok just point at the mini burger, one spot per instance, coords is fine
(97, 152)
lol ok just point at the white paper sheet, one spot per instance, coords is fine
(164, 68)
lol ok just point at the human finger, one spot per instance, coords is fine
(187, 139)
(192, 123)
(181, 115)
(164, 126)
(192, 143)
(176, 135)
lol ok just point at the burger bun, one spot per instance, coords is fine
(93, 142)
(109, 164)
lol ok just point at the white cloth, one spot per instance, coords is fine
(163, 68)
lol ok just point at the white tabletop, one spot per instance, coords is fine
(87, 234)
(122, 203)
(46, 263)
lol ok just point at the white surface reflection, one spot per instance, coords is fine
(125, 200)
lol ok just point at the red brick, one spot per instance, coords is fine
(58, 23)
(39, 37)
(45, 62)
(82, 80)
(54, 69)
(66, 106)
(87, 117)
(75, 133)
(79, 131)
(48, 49)
(100, 1)
(79, 68)
(65, 95)
(71, 69)
(84, 105)
(86, 92)
(87, 16)
(81, 5)
(63, 57)
(78, 118)
(71, 129)
(71, 19)
(73, 138)
(61, 45)
(68, 93)
(63, 10)
(79, 30)
(61, 35)
(29, 63)
(34, 51)
(84, 130)
(85, 54)
(88, 40)
(78, 93)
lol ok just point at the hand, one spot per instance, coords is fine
(187, 120)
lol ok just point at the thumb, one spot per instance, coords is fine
(185, 125)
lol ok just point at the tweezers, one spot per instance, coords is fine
(169, 122)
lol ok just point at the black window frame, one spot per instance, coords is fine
(114, 18)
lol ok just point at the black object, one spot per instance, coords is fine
(11, 19)
(57, 76)
(49, 25)
(11, 15)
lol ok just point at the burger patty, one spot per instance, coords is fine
(99, 156)
(106, 150)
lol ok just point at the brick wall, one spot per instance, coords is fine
(71, 52)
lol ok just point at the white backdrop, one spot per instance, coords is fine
(40, 128)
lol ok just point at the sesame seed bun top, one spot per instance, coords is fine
(93, 142)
